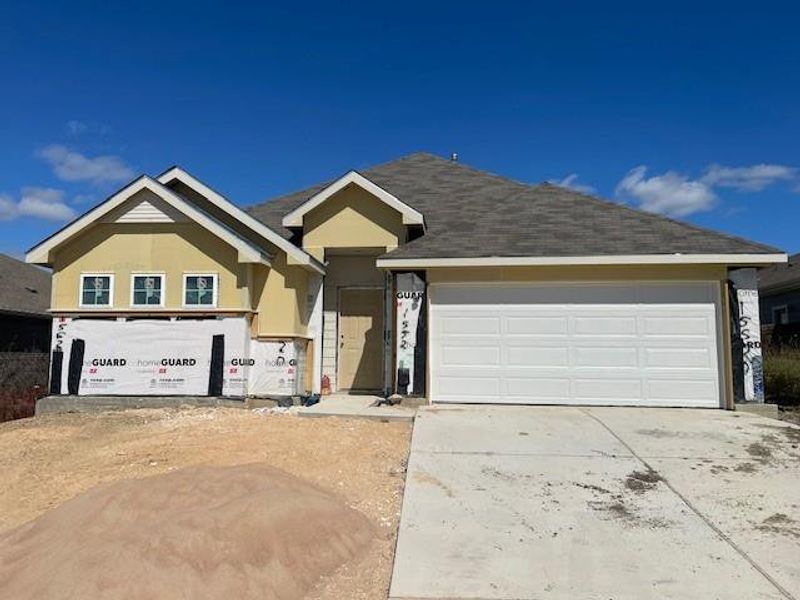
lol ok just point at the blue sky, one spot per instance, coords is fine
(685, 110)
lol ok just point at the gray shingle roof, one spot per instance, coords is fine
(781, 277)
(471, 213)
(24, 289)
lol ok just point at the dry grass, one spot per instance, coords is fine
(782, 376)
(23, 380)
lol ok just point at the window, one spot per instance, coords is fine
(147, 290)
(780, 315)
(97, 290)
(200, 289)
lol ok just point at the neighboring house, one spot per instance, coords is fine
(25, 322)
(779, 293)
(421, 275)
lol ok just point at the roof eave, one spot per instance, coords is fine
(755, 260)
(25, 313)
(409, 215)
(246, 251)
(295, 255)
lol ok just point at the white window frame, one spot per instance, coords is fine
(85, 276)
(214, 297)
(162, 276)
(777, 310)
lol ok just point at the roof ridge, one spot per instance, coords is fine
(657, 217)
(467, 167)
(13, 258)
(328, 182)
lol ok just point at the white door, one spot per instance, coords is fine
(649, 344)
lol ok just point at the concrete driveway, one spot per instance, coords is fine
(599, 503)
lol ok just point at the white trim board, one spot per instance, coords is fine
(632, 259)
(162, 290)
(297, 255)
(410, 216)
(247, 252)
(111, 283)
(214, 292)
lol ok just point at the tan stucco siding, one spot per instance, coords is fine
(727, 349)
(352, 218)
(124, 249)
(579, 273)
(350, 271)
(281, 299)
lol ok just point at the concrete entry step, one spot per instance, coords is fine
(357, 406)
(758, 408)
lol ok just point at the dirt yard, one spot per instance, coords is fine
(50, 459)
(790, 414)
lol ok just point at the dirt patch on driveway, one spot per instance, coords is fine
(781, 524)
(790, 433)
(658, 433)
(48, 460)
(625, 504)
(642, 481)
(424, 477)
(759, 451)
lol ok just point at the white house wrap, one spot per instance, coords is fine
(153, 357)
(746, 283)
(276, 368)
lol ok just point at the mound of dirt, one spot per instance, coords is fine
(249, 531)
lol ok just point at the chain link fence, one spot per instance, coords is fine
(23, 380)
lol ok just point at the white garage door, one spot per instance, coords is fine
(652, 344)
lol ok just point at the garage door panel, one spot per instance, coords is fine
(607, 389)
(678, 325)
(679, 357)
(457, 387)
(520, 389)
(467, 356)
(604, 325)
(576, 344)
(537, 356)
(470, 325)
(699, 391)
(605, 356)
(517, 325)
(470, 296)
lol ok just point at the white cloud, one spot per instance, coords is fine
(76, 127)
(678, 195)
(42, 203)
(571, 182)
(84, 199)
(753, 178)
(671, 193)
(74, 166)
(45, 203)
(8, 208)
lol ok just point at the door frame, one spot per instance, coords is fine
(723, 376)
(376, 288)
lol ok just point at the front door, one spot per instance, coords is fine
(360, 339)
